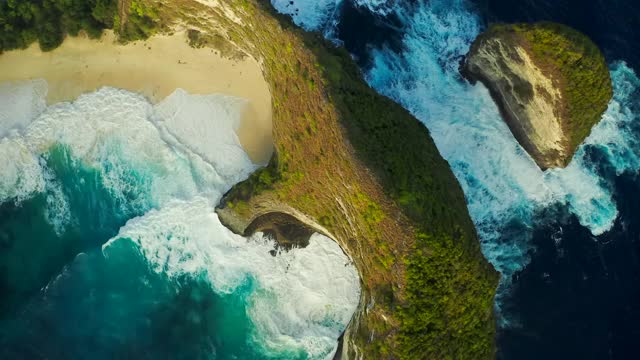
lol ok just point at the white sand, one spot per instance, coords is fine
(155, 68)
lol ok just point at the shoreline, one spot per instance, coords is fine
(155, 68)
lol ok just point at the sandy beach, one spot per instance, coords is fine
(155, 68)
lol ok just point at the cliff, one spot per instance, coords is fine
(356, 166)
(550, 82)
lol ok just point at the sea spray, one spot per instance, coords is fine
(504, 189)
(20, 103)
(501, 182)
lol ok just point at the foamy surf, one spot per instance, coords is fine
(501, 182)
(165, 167)
(301, 300)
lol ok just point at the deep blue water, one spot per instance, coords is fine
(581, 298)
(567, 294)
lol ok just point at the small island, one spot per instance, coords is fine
(551, 83)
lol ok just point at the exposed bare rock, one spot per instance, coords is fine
(550, 82)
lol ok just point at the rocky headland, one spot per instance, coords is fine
(551, 83)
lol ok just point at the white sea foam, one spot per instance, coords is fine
(21, 171)
(303, 299)
(20, 103)
(323, 15)
(502, 184)
(186, 120)
(380, 7)
(315, 292)
(115, 131)
(58, 211)
(178, 158)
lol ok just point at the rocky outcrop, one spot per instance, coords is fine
(550, 82)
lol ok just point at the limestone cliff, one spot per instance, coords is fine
(550, 82)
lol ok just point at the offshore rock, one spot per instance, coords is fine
(550, 82)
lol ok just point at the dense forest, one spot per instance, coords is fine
(23, 22)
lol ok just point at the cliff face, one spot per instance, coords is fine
(358, 167)
(527, 98)
(550, 82)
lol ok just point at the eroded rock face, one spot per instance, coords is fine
(532, 87)
(285, 229)
(526, 96)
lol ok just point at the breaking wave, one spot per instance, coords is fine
(142, 180)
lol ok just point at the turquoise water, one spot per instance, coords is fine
(39, 237)
(107, 305)
(105, 308)
(111, 248)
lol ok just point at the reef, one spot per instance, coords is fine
(551, 83)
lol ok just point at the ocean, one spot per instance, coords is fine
(111, 247)
(566, 240)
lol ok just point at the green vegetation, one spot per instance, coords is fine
(261, 180)
(195, 39)
(142, 22)
(417, 249)
(23, 22)
(448, 313)
(395, 144)
(577, 65)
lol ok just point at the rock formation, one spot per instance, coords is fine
(550, 82)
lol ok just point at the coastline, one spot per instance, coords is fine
(155, 68)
